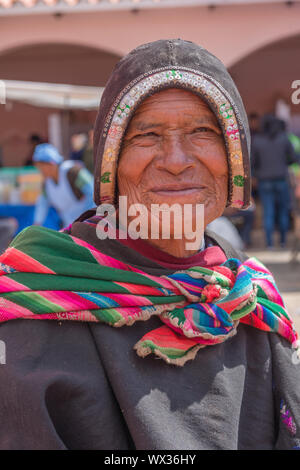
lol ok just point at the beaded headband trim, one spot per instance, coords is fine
(201, 84)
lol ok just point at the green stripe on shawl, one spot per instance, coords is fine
(107, 315)
(244, 311)
(57, 282)
(33, 302)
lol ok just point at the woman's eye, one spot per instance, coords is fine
(149, 134)
(202, 129)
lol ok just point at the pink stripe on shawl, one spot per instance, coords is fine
(10, 285)
(67, 300)
(10, 310)
(128, 300)
(271, 291)
(256, 265)
(284, 329)
(105, 260)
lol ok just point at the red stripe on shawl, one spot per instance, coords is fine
(164, 337)
(252, 320)
(225, 272)
(232, 304)
(23, 262)
(140, 289)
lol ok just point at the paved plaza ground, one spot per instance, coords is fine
(285, 271)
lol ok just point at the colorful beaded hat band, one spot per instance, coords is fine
(201, 84)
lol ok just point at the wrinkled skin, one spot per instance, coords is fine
(174, 152)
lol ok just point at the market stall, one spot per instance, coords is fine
(19, 191)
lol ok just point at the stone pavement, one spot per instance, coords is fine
(285, 271)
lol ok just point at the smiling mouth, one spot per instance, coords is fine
(176, 190)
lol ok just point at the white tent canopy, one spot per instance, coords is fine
(50, 95)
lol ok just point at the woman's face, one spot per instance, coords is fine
(174, 152)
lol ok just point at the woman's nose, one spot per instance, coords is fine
(174, 156)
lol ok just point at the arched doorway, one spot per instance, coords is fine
(266, 75)
(58, 63)
(52, 63)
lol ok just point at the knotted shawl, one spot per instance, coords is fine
(51, 275)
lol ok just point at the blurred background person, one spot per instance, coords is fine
(254, 123)
(78, 146)
(34, 140)
(68, 186)
(1, 158)
(272, 153)
(295, 193)
(8, 227)
(88, 156)
(254, 126)
(295, 179)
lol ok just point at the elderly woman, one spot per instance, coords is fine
(176, 348)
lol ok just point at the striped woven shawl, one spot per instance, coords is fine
(51, 275)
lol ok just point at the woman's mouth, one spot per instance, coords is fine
(176, 190)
